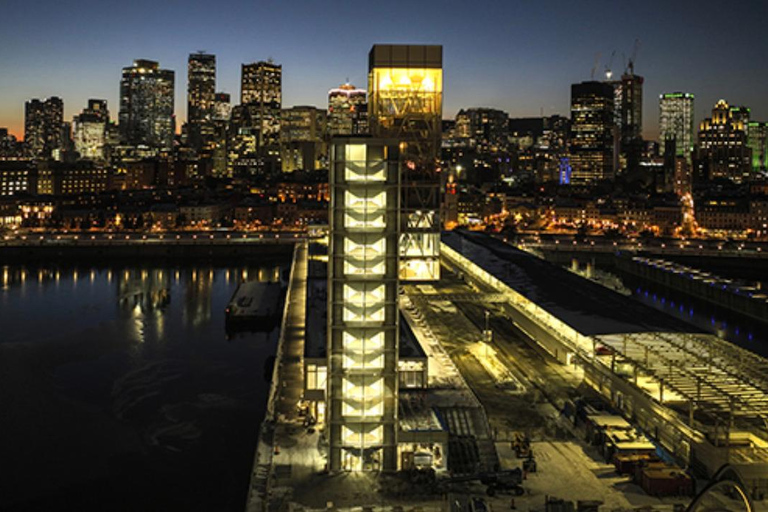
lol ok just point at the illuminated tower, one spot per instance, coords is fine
(592, 132)
(405, 85)
(723, 143)
(676, 122)
(757, 140)
(363, 304)
(261, 93)
(201, 96)
(146, 105)
(347, 111)
(91, 131)
(43, 123)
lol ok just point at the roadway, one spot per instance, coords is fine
(106, 239)
(658, 246)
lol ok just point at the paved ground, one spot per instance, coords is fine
(568, 468)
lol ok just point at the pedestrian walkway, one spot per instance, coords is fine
(287, 386)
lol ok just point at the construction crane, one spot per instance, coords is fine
(594, 68)
(608, 70)
(631, 62)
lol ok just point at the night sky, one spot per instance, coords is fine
(519, 56)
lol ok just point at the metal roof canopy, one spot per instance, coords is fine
(707, 371)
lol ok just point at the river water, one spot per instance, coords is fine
(121, 390)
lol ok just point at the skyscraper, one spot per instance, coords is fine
(146, 105)
(347, 111)
(723, 144)
(486, 127)
(222, 106)
(363, 304)
(592, 132)
(43, 125)
(302, 139)
(631, 119)
(261, 93)
(405, 84)
(757, 140)
(676, 122)
(90, 135)
(201, 95)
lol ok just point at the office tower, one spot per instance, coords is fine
(347, 111)
(723, 144)
(90, 137)
(741, 115)
(592, 132)
(486, 128)
(222, 113)
(201, 97)
(262, 93)
(631, 120)
(676, 122)
(9, 146)
(405, 86)
(757, 140)
(43, 124)
(363, 304)
(302, 139)
(146, 105)
(222, 107)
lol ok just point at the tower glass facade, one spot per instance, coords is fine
(405, 84)
(363, 304)
(201, 97)
(723, 144)
(146, 105)
(347, 111)
(90, 133)
(261, 95)
(43, 125)
(592, 132)
(676, 122)
(757, 140)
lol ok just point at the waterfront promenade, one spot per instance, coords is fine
(282, 419)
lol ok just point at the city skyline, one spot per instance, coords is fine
(524, 70)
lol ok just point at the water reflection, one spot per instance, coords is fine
(135, 360)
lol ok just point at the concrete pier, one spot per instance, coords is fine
(286, 389)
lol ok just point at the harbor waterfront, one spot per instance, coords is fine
(119, 379)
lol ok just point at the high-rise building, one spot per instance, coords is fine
(363, 310)
(222, 114)
(592, 141)
(347, 111)
(405, 86)
(201, 97)
(487, 128)
(90, 134)
(724, 152)
(261, 92)
(43, 125)
(146, 105)
(630, 120)
(10, 148)
(302, 139)
(757, 140)
(676, 122)
(222, 107)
